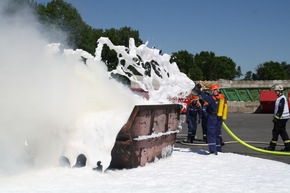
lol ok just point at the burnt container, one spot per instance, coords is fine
(149, 133)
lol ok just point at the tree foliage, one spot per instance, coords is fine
(239, 72)
(80, 35)
(186, 64)
(272, 71)
(248, 75)
(66, 18)
(118, 37)
(206, 66)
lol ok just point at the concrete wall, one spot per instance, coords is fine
(251, 84)
(243, 107)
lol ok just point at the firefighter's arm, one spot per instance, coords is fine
(280, 110)
(197, 89)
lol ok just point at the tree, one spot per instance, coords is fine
(186, 64)
(248, 75)
(225, 68)
(121, 36)
(118, 37)
(66, 18)
(272, 71)
(205, 61)
(239, 72)
(216, 67)
(89, 39)
(287, 67)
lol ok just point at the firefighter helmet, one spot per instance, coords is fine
(277, 87)
(214, 86)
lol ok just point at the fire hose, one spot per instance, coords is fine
(244, 143)
(250, 146)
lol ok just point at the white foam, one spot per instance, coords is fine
(54, 104)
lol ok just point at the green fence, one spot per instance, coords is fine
(244, 94)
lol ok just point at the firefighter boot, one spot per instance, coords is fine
(270, 148)
(192, 138)
(204, 139)
(287, 146)
(188, 140)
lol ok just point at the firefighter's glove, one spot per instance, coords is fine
(275, 120)
(199, 86)
(197, 89)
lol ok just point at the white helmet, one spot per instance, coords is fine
(277, 87)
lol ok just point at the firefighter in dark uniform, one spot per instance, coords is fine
(193, 117)
(281, 116)
(204, 106)
(213, 138)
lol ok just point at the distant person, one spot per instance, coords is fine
(99, 167)
(193, 117)
(81, 161)
(281, 116)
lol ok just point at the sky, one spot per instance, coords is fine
(185, 171)
(249, 32)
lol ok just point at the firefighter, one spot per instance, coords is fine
(204, 106)
(281, 116)
(99, 167)
(193, 117)
(213, 138)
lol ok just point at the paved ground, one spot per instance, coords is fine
(255, 128)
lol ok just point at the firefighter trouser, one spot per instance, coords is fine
(219, 134)
(192, 125)
(212, 134)
(203, 125)
(280, 129)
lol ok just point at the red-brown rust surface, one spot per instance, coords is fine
(146, 134)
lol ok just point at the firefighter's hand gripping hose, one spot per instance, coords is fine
(250, 146)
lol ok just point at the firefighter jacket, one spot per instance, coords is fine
(281, 108)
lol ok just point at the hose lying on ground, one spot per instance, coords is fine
(199, 143)
(250, 146)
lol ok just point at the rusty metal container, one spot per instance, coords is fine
(149, 133)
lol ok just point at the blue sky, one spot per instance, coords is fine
(250, 32)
